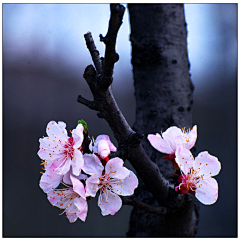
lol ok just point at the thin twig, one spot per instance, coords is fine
(90, 104)
(94, 52)
(111, 57)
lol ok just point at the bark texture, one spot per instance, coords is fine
(163, 92)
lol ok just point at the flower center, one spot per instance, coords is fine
(188, 182)
(104, 182)
(69, 150)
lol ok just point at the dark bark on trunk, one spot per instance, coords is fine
(163, 92)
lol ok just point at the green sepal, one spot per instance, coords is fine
(84, 124)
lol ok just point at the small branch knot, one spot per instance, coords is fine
(116, 57)
(89, 73)
(135, 139)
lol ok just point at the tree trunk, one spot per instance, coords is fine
(163, 92)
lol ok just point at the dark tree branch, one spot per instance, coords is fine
(111, 57)
(146, 207)
(94, 52)
(90, 104)
(109, 110)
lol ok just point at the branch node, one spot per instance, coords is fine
(135, 139)
(116, 57)
(90, 104)
(89, 74)
(103, 39)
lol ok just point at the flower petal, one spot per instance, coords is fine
(57, 131)
(206, 165)
(50, 150)
(82, 206)
(184, 159)
(174, 136)
(77, 135)
(77, 162)
(92, 165)
(115, 169)
(207, 191)
(109, 203)
(192, 137)
(49, 180)
(72, 215)
(107, 139)
(103, 149)
(63, 167)
(160, 144)
(92, 186)
(57, 198)
(78, 187)
(126, 186)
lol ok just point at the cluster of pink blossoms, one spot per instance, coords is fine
(195, 175)
(76, 168)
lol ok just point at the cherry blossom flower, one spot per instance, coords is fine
(72, 199)
(62, 151)
(172, 138)
(197, 175)
(103, 146)
(112, 181)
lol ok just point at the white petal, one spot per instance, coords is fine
(206, 165)
(92, 186)
(77, 162)
(49, 180)
(103, 149)
(207, 191)
(92, 165)
(77, 135)
(56, 131)
(57, 198)
(50, 150)
(78, 187)
(72, 215)
(174, 136)
(184, 159)
(63, 169)
(160, 144)
(115, 169)
(102, 139)
(126, 186)
(109, 203)
(82, 206)
(192, 137)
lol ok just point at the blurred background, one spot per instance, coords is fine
(44, 57)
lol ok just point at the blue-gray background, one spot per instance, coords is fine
(44, 57)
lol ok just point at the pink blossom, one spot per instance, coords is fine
(112, 181)
(72, 199)
(197, 175)
(62, 151)
(173, 137)
(103, 146)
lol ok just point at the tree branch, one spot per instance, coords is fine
(90, 104)
(147, 208)
(111, 57)
(94, 52)
(110, 111)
